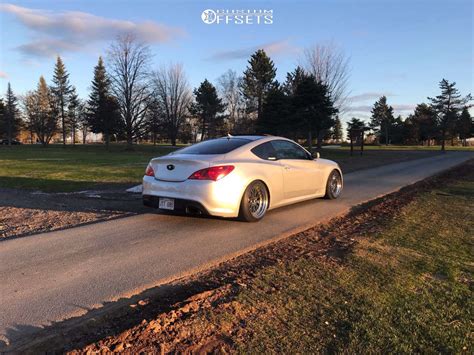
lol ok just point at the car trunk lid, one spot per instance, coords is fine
(179, 167)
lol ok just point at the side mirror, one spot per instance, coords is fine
(316, 155)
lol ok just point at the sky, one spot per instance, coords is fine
(400, 49)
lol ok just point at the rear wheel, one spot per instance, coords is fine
(333, 185)
(255, 202)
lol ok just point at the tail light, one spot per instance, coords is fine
(213, 173)
(149, 171)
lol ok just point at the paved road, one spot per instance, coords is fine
(53, 276)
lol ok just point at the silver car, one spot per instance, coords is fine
(241, 176)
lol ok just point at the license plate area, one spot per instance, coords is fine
(166, 203)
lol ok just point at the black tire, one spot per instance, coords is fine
(255, 202)
(333, 185)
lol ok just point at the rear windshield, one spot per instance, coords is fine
(214, 146)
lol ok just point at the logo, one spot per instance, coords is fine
(237, 17)
(170, 167)
(208, 16)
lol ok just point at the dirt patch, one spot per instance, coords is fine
(25, 212)
(172, 320)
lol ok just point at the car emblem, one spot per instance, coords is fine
(170, 167)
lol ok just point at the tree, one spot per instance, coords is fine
(61, 89)
(258, 79)
(337, 130)
(276, 114)
(313, 108)
(447, 106)
(129, 62)
(103, 111)
(229, 85)
(173, 96)
(424, 119)
(75, 113)
(207, 106)
(293, 79)
(329, 65)
(382, 119)
(465, 125)
(42, 112)
(355, 124)
(11, 116)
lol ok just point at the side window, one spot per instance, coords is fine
(289, 150)
(264, 151)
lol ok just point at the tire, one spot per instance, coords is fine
(255, 202)
(333, 185)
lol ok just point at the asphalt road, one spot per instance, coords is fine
(53, 276)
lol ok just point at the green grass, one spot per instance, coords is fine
(409, 147)
(57, 169)
(406, 289)
(81, 167)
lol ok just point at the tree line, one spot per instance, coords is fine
(129, 101)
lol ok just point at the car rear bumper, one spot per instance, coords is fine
(217, 198)
(180, 205)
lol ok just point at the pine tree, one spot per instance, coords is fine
(258, 79)
(75, 112)
(208, 106)
(61, 89)
(11, 120)
(313, 108)
(337, 130)
(382, 119)
(465, 125)
(102, 109)
(42, 112)
(447, 106)
(292, 80)
(276, 114)
(425, 122)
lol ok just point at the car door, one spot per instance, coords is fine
(300, 171)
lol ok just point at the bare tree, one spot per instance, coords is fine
(229, 85)
(329, 65)
(174, 96)
(129, 62)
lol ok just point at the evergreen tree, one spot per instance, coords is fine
(355, 124)
(75, 113)
(61, 89)
(276, 112)
(257, 81)
(11, 116)
(382, 119)
(42, 112)
(2, 117)
(208, 106)
(103, 114)
(337, 130)
(424, 119)
(292, 80)
(313, 108)
(465, 126)
(447, 106)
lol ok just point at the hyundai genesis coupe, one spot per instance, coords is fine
(239, 176)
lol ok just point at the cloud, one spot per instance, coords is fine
(272, 49)
(3, 75)
(399, 108)
(56, 32)
(366, 96)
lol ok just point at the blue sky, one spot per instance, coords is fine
(398, 48)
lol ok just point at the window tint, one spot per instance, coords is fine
(214, 146)
(264, 151)
(289, 150)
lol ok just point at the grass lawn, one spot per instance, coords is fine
(73, 168)
(409, 147)
(405, 288)
(56, 169)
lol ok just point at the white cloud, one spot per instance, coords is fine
(366, 96)
(56, 32)
(272, 49)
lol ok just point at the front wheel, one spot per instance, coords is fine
(255, 202)
(333, 185)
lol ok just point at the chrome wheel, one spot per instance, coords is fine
(335, 184)
(257, 199)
